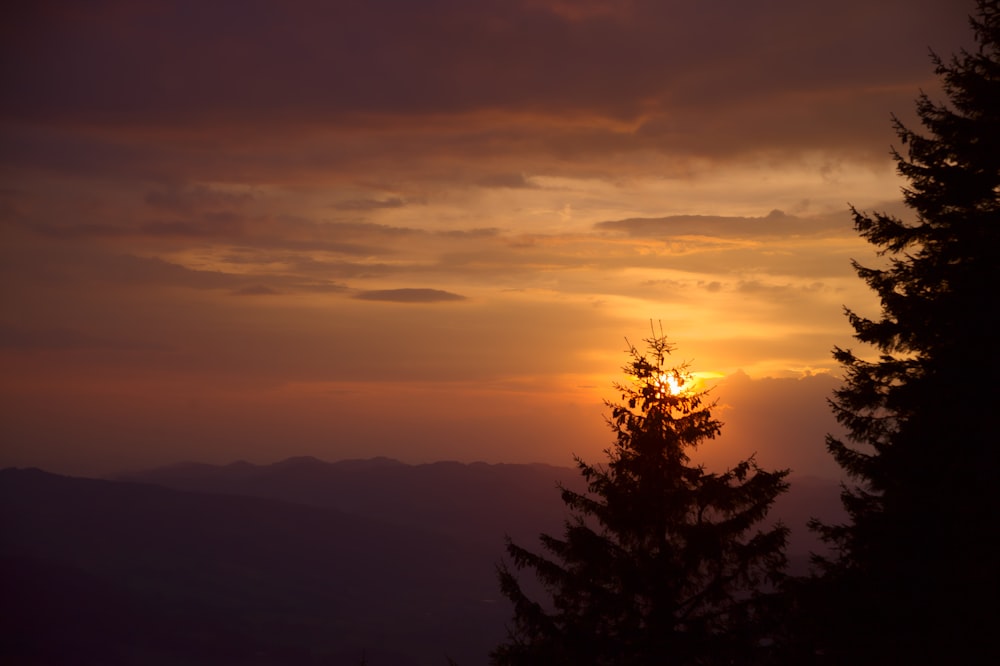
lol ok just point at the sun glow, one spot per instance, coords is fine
(674, 383)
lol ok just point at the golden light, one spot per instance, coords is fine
(673, 383)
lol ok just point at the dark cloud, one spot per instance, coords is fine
(488, 232)
(505, 180)
(776, 223)
(82, 265)
(707, 78)
(409, 295)
(129, 269)
(370, 204)
(262, 232)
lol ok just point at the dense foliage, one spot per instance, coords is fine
(661, 561)
(914, 577)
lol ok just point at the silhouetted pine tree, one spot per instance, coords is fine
(661, 561)
(914, 578)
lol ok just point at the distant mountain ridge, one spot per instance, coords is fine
(476, 502)
(111, 572)
(471, 501)
(297, 562)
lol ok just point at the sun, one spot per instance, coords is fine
(674, 383)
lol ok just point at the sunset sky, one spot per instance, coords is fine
(424, 229)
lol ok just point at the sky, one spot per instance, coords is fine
(425, 230)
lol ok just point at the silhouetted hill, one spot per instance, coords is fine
(298, 562)
(477, 503)
(124, 573)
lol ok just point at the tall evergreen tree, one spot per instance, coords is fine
(661, 562)
(914, 575)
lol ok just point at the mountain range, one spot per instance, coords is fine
(298, 562)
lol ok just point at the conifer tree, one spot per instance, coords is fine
(661, 562)
(914, 575)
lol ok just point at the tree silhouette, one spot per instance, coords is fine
(660, 562)
(914, 575)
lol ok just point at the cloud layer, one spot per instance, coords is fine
(299, 211)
